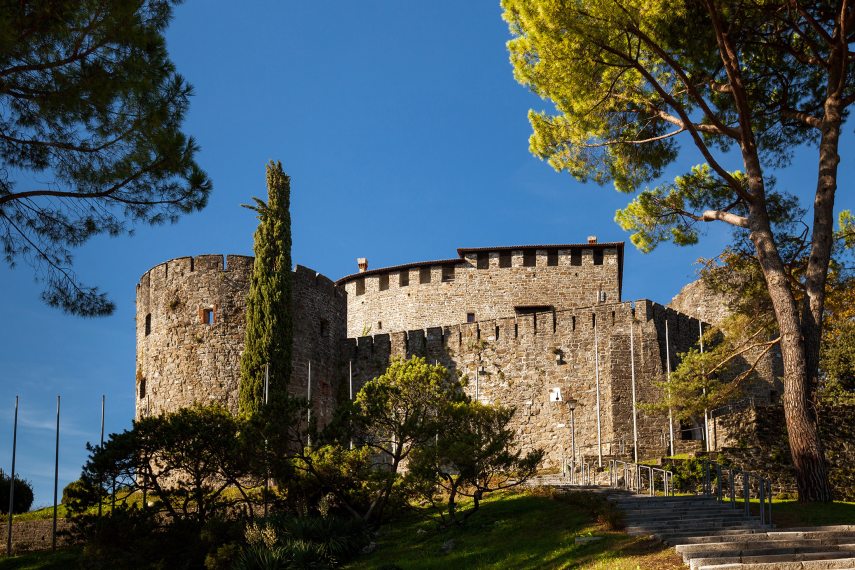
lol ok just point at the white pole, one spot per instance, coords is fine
(101, 482)
(476, 383)
(55, 478)
(668, 378)
(632, 369)
(266, 382)
(350, 382)
(309, 411)
(12, 480)
(597, 377)
(706, 411)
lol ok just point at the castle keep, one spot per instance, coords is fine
(516, 322)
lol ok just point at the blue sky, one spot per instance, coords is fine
(405, 136)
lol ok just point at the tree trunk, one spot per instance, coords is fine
(805, 445)
(816, 272)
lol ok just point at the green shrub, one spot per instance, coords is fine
(23, 499)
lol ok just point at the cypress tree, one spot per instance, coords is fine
(268, 305)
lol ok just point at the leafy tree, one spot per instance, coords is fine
(191, 465)
(472, 456)
(736, 346)
(90, 134)
(392, 415)
(269, 327)
(23, 499)
(628, 78)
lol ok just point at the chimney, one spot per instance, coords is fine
(362, 263)
(592, 239)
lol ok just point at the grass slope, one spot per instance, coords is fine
(515, 530)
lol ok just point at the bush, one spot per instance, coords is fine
(23, 499)
(302, 542)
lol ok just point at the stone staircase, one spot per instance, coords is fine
(711, 535)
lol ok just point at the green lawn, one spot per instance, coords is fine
(59, 560)
(792, 513)
(515, 530)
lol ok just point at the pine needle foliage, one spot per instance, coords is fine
(269, 326)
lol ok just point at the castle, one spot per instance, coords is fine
(518, 322)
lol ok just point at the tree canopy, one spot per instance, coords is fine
(744, 84)
(90, 134)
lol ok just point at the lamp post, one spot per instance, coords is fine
(479, 369)
(571, 405)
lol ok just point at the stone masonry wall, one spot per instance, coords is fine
(520, 360)
(182, 360)
(762, 388)
(488, 293)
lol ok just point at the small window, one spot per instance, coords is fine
(324, 326)
(483, 260)
(404, 278)
(505, 259)
(360, 286)
(424, 275)
(384, 282)
(142, 388)
(552, 257)
(148, 324)
(598, 257)
(575, 257)
(470, 317)
(529, 258)
(379, 325)
(207, 316)
(447, 273)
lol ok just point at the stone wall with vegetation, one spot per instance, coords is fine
(34, 535)
(762, 446)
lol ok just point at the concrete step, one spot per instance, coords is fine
(701, 516)
(766, 549)
(832, 564)
(662, 530)
(703, 548)
(667, 537)
(828, 537)
(778, 559)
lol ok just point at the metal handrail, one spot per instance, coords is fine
(764, 489)
(633, 479)
(580, 473)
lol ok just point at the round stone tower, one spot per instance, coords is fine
(191, 320)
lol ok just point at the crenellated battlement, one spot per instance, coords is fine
(519, 328)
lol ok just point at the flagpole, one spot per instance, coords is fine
(597, 377)
(668, 379)
(12, 480)
(55, 477)
(101, 445)
(632, 369)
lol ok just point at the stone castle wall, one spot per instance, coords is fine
(378, 302)
(520, 361)
(191, 324)
(762, 388)
(185, 355)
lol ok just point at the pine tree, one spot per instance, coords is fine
(268, 305)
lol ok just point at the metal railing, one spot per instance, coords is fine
(729, 480)
(640, 478)
(580, 473)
